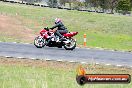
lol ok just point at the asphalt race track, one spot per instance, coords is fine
(79, 54)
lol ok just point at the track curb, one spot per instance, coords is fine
(59, 60)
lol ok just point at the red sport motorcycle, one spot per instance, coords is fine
(48, 38)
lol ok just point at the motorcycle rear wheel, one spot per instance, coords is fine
(71, 45)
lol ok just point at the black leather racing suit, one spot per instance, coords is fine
(61, 29)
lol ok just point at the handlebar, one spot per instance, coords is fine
(46, 28)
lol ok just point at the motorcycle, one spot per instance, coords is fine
(48, 38)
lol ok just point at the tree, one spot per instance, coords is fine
(94, 3)
(86, 3)
(62, 2)
(108, 5)
(103, 4)
(70, 3)
(124, 6)
(52, 3)
(131, 3)
(113, 4)
(78, 4)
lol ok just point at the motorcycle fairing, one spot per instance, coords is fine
(70, 34)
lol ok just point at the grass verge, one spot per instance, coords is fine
(25, 73)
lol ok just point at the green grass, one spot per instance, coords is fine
(52, 76)
(103, 30)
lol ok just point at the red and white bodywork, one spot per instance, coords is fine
(48, 38)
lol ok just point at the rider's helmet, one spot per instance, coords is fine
(57, 20)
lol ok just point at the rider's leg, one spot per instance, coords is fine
(60, 32)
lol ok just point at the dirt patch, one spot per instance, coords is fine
(12, 28)
(37, 63)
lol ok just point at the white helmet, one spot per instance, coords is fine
(57, 20)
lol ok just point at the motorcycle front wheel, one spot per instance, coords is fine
(71, 45)
(39, 42)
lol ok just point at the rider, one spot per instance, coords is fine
(61, 29)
